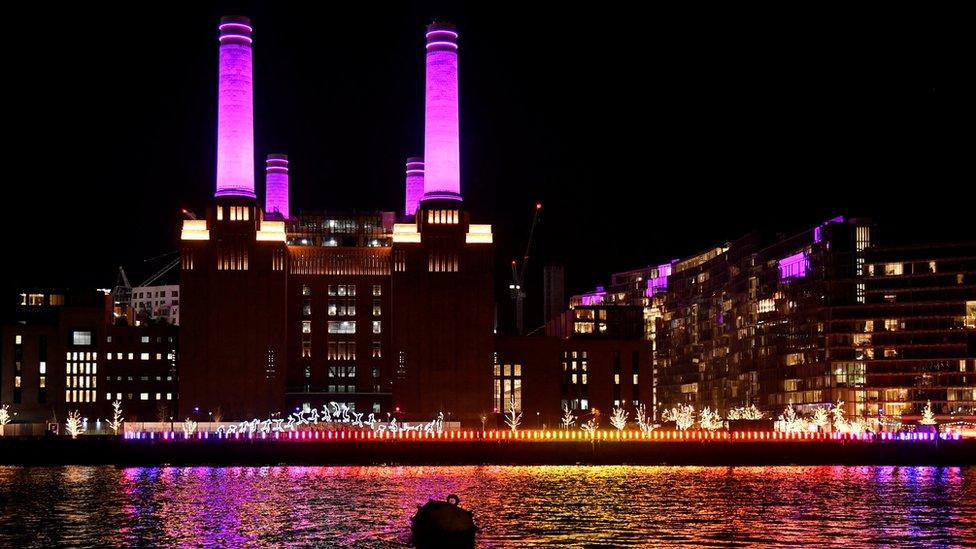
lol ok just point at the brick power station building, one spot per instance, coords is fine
(383, 312)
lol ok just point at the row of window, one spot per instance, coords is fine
(342, 290)
(342, 350)
(142, 356)
(142, 396)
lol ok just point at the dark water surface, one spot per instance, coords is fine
(575, 506)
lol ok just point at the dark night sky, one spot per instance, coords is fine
(648, 135)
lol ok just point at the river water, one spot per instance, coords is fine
(574, 506)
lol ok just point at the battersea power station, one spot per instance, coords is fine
(385, 312)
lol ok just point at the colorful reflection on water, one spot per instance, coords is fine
(573, 506)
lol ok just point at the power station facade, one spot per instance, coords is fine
(386, 313)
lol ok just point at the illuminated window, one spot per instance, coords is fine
(377, 327)
(306, 349)
(891, 324)
(377, 290)
(18, 340)
(893, 269)
(144, 339)
(376, 371)
(616, 379)
(143, 356)
(143, 396)
(970, 320)
(635, 379)
(377, 308)
(377, 349)
(306, 289)
(81, 338)
(131, 356)
(306, 326)
(342, 327)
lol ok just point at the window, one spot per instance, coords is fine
(377, 290)
(893, 269)
(307, 308)
(342, 326)
(306, 326)
(377, 308)
(143, 396)
(377, 327)
(81, 337)
(306, 289)
(508, 386)
(376, 371)
(376, 407)
(18, 340)
(970, 320)
(143, 356)
(306, 349)
(144, 339)
(377, 350)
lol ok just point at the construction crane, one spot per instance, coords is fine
(517, 287)
(122, 293)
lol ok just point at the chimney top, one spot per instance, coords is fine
(235, 29)
(441, 36)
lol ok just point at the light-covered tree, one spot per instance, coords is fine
(619, 418)
(116, 423)
(710, 420)
(4, 415)
(837, 414)
(857, 426)
(683, 416)
(745, 412)
(513, 417)
(74, 425)
(928, 417)
(189, 427)
(791, 422)
(643, 420)
(569, 419)
(821, 418)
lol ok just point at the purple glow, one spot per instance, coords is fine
(659, 283)
(235, 110)
(594, 298)
(276, 185)
(818, 230)
(794, 266)
(442, 174)
(415, 184)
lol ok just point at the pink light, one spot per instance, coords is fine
(235, 110)
(276, 185)
(442, 174)
(415, 185)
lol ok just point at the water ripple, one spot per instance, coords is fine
(565, 506)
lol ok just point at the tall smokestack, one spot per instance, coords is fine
(415, 184)
(235, 110)
(276, 185)
(442, 175)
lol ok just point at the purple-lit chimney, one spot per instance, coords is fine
(276, 185)
(415, 184)
(442, 175)
(235, 110)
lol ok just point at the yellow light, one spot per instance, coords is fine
(271, 231)
(477, 234)
(405, 232)
(195, 229)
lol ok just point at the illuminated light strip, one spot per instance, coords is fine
(442, 31)
(440, 44)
